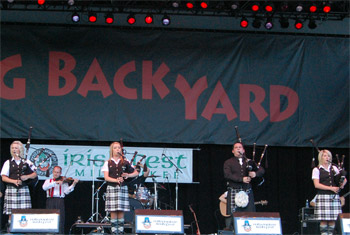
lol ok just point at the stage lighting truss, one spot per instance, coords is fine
(250, 10)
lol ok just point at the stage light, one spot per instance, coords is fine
(255, 7)
(269, 23)
(269, 7)
(326, 8)
(313, 8)
(299, 7)
(312, 24)
(256, 23)
(204, 5)
(166, 20)
(70, 2)
(244, 22)
(75, 17)
(131, 19)
(189, 5)
(298, 24)
(284, 6)
(175, 4)
(41, 2)
(92, 17)
(109, 18)
(10, 1)
(284, 22)
(149, 19)
(234, 5)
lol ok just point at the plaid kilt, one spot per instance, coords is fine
(327, 207)
(117, 198)
(16, 199)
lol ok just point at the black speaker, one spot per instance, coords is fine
(310, 227)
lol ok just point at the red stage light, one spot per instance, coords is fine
(255, 7)
(298, 24)
(131, 19)
(109, 19)
(149, 19)
(92, 17)
(326, 9)
(313, 8)
(268, 8)
(244, 23)
(189, 5)
(41, 2)
(204, 5)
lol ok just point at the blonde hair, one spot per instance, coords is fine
(111, 149)
(320, 161)
(21, 148)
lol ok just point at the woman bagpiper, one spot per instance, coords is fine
(116, 170)
(326, 178)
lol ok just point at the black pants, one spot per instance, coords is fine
(57, 203)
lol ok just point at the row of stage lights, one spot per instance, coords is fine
(131, 19)
(255, 7)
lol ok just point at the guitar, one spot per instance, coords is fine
(222, 206)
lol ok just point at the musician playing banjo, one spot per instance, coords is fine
(16, 173)
(239, 171)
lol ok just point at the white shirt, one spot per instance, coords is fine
(316, 171)
(56, 190)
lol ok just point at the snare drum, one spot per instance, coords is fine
(129, 216)
(143, 195)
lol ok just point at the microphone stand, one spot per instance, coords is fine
(93, 192)
(177, 179)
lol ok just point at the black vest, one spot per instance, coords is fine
(116, 170)
(327, 178)
(17, 170)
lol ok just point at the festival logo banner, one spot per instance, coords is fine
(85, 162)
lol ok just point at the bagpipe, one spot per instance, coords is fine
(26, 168)
(252, 165)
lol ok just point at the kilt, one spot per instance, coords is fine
(327, 207)
(16, 199)
(117, 198)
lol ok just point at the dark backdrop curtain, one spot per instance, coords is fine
(287, 184)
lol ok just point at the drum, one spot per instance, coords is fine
(129, 216)
(143, 195)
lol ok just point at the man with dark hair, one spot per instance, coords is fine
(239, 171)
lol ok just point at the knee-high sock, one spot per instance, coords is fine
(114, 225)
(120, 225)
(323, 229)
(331, 229)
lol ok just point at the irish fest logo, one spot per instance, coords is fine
(146, 223)
(23, 221)
(45, 160)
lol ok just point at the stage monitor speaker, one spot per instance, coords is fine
(159, 221)
(257, 223)
(35, 221)
(343, 224)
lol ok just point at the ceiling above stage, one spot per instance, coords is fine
(202, 15)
